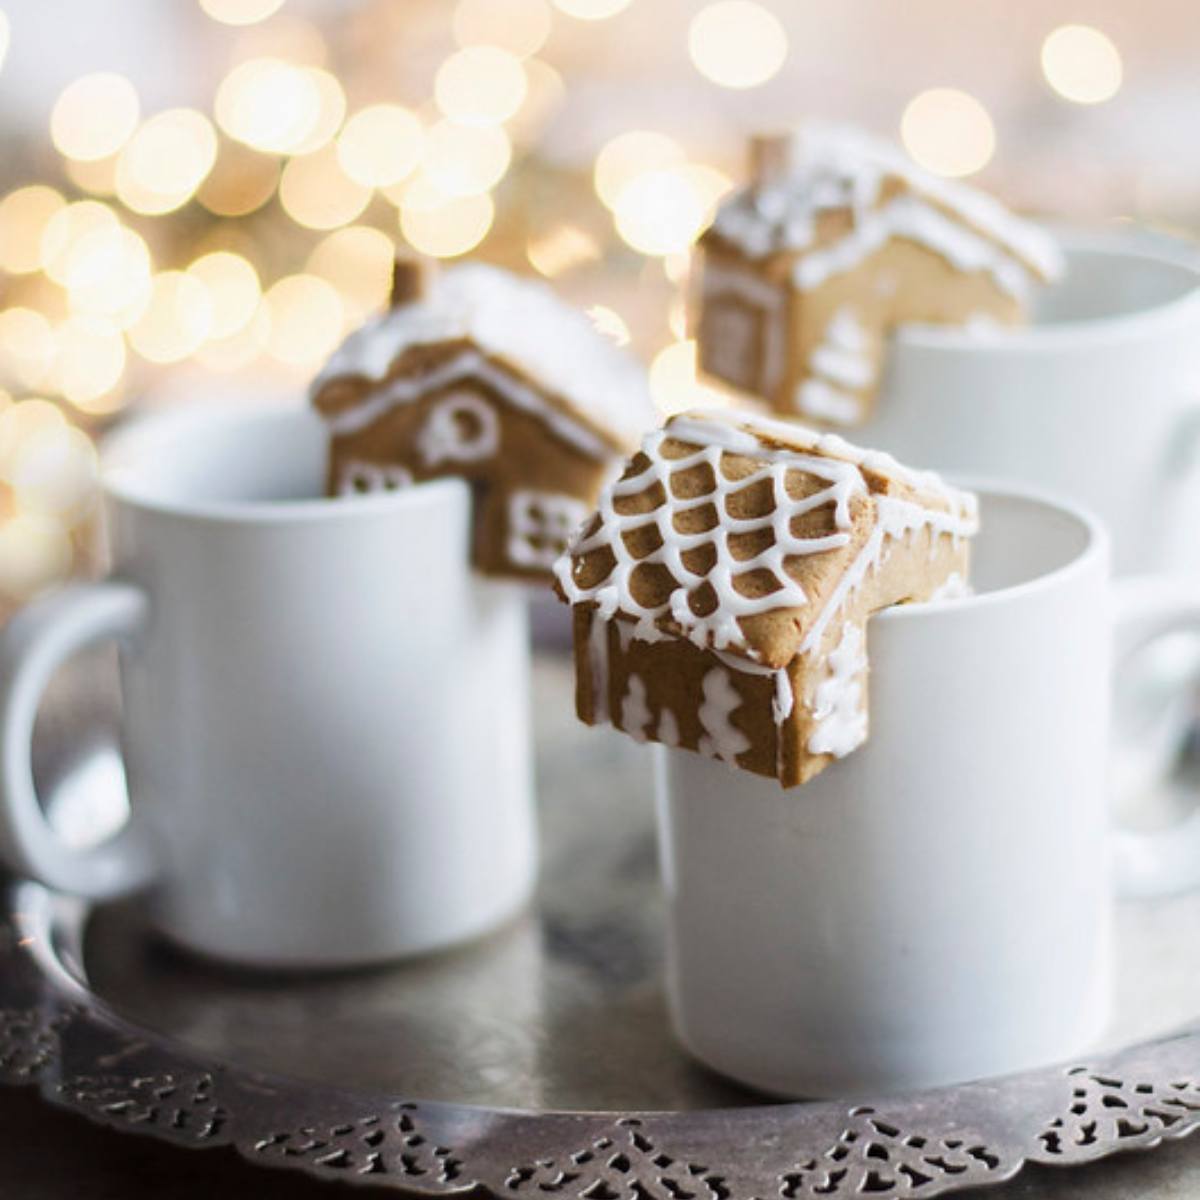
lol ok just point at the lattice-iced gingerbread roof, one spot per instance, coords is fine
(748, 535)
(822, 169)
(515, 321)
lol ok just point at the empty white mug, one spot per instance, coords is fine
(934, 907)
(325, 712)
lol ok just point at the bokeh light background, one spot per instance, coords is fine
(199, 198)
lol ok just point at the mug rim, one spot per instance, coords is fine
(1124, 242)
(129, 493)
(1096, 550)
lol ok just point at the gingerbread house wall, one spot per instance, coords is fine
(531, 487)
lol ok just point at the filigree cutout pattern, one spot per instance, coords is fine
(390, 1145)
(874, 1157)
(1108, 1113)
(623, 1165)
(181, 1106)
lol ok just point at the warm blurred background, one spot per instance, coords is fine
(200, 197)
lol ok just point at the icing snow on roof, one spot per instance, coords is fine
(826, 168)
(520, 322)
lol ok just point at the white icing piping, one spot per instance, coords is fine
(721, 738)
(635, 712)
(356, 478)
(547, 518)
(447, 437)
(467, 366)
(839, 714)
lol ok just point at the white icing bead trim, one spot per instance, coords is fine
(540, 526)
(356, 478)
(839, 714)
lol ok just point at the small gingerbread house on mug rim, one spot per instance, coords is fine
(721, 590)
(837, 240)
(477, 373)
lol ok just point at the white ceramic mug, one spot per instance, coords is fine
(934, 907)
(1098, 400)
(325, 713)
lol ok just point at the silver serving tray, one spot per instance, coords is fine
(537, 1062)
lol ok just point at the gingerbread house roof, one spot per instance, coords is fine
(823, 169)
(748, 536)
(523, 326)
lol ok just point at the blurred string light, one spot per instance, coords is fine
(307, 320)
(24, 215)
(562, 249)
(234, 291)
(381, 145)
(36, 552)
(737, 43)
(89, 361)
(94, 117)
(241, 182)
(98, 176)
(26, 346)
(331, 111)
(270, 104)
(240, 12)
(518, 26)
(107, 273)
(1082, 64)
(480, 85)
(444, 226)
(544, 94)
(463, 160)
(66, 230)
(316, 193)
(55, 473)
(591, 10)
(674, 386)
(358, 262)
(239, 350)
(948, 131)
(177, 321)
(165, 161)
(629, 155)
(288, 37)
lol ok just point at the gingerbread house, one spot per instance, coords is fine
(838, 239)
(479, 374)
(721, 590)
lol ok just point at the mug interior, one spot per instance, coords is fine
(1025, 541)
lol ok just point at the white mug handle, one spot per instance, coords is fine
(1157, 862)
(38, 640)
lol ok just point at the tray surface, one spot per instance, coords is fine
(410, 1076)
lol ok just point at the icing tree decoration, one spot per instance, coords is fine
(830, 214)
(476, 374)
(738, 558)
(461, 428)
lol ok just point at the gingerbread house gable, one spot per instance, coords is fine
(473, 378)
(722, 586)
(790, 305)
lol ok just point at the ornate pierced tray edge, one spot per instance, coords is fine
(81, 1056)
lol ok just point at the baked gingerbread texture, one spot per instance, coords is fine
(478, 374)
(838, 239)
(721, 590)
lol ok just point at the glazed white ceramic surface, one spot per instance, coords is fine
(1098, 401)
(325, 712)
(935, 906)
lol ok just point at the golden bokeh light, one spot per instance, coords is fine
(233, 290)
(1082, 64)
(26, 346)
(21, 422)
(24, 215)
(480, 85)
(358, 262)
(463, 160)
(99, 177)
(545, 92)
(242, 181)
(307, 320)
(94, 116)
(331, 114)
(661, 213)
(628, 155)
(240, 350)
(35, 553)
(316, 193)
(444, 226)
(269, 104)
(177, 320)
(591, 10)
(737, 43)
(89, 361)
(289, 37)
(948, 131)
(518, 26)
(609, 323)
(165, 161)
(107, 273)
(674, 386)
(66, 229)
(55, 473)
(562, 249)
(381, 145)
(241, 12)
